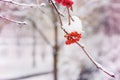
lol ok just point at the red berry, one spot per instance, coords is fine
(67, 3)
(72, 37)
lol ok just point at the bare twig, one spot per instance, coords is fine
(59, 14)
(29, 76)
(23, 4)
(34, 47)
(55, 54)
(94, 62)
(69, 16)
(56, 8)
(13, 21)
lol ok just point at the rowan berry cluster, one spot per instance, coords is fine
(72, 37)
(67, 3)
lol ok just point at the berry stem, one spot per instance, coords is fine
(68, 16)
(56, 11)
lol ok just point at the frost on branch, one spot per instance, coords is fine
(14, 21)
(23, 4)
(20, 5)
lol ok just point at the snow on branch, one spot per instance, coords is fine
(13, 21)
(23, 4)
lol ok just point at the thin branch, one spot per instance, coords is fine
(59, 14)
(13, 21)
(56, 8)
(94, 62)
(85, 51)
(55, 53)
(29, 76)
(34, 48)
(69, 16)
(23, 4)
(61, 24)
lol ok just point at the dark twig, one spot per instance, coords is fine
(34, 47)
(69, 16)
(55, 53)
(59, 15)
(50, 1)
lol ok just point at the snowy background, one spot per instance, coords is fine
(24, 51)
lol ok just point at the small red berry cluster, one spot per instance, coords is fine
(72, 37)
(67, 3)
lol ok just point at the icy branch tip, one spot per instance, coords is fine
(110, 74)
(104, 70)
(107, 72)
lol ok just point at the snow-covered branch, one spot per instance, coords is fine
(13, 21)
(82, 47)
(23, 4)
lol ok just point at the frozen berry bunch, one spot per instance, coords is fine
(74, 31)
(72, 37)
